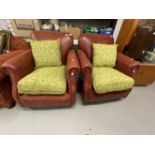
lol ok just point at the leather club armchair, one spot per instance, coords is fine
(17, 46)
(23, 64)
(6, 99)
(123, 63)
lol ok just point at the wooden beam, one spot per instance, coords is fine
(127, 30)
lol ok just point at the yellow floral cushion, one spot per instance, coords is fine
(104, 55)
(46, 53)
(107, 79)
(45, 80)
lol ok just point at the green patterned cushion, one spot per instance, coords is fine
(107, 79)
(104, 55)
(45, 80)
(46, 53)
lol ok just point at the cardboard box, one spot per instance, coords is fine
(24, 27)
(73, 30)
(24, 24)
(145, 75)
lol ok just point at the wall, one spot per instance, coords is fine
(117, 28)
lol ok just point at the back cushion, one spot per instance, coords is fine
(86, 41)
(66, 40)
(104, 55)
(46, 53)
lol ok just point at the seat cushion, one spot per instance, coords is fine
(46, 53)
(45, 80)
(104, 55)
(106, 79)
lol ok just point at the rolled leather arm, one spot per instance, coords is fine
(73, 66)
(19, 65)
(87, 71)
(126, 65)
(7, 56)
(84, 62)
(4, 58)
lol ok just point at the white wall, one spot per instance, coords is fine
(117, 28)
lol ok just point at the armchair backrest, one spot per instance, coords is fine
(86, 40)
(66, 40)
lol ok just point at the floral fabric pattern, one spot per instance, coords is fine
(46, 53)
(104, 55)
(107, 79)
(45, 80)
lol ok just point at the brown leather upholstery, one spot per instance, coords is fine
(6, 99)
(16, 46)
(23, 64)
(86, 40)
(126, 65)
(18, 43)
(85, 54)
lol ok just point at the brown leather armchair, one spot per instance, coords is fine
(23, 64)
(123, 63)
(6, 99)
(16, 46)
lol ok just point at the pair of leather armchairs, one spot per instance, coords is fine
(23, 64)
